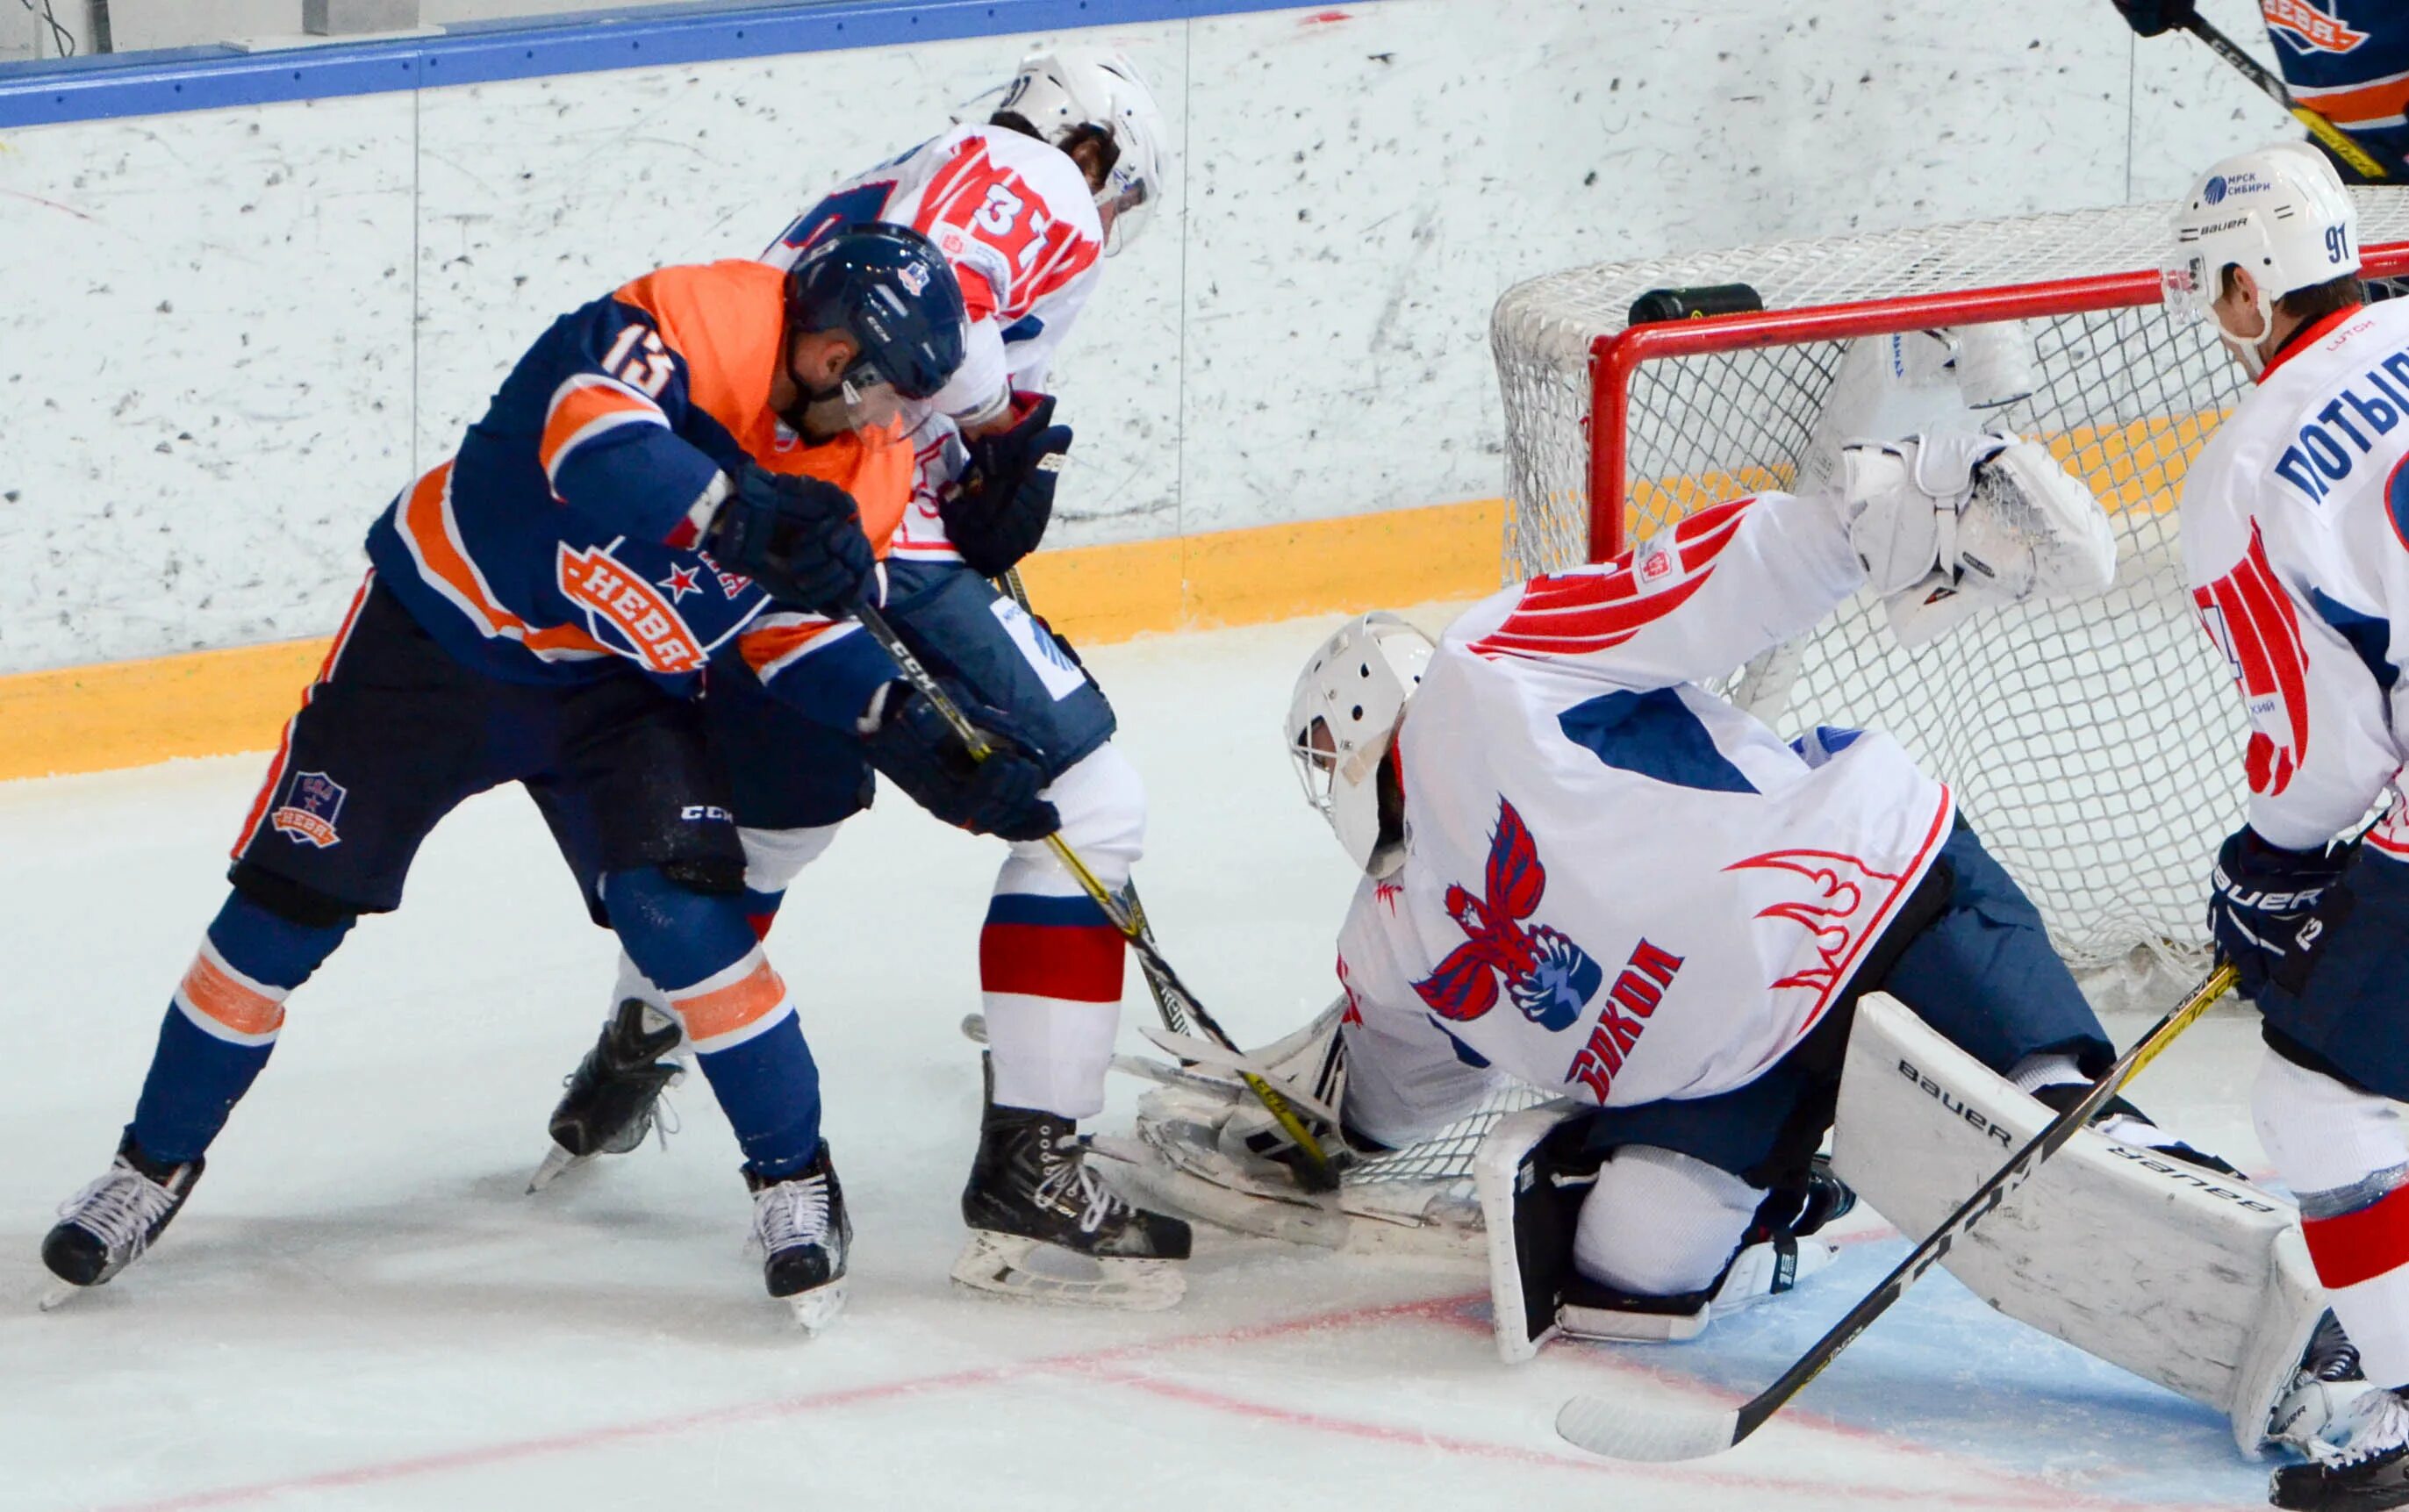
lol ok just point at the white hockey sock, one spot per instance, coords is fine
(1661, 1224)
(2345, 1156)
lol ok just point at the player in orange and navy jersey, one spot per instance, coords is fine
(1024, 206)
(2347, 60)
(664, 469)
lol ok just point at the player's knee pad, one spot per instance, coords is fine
(2324, 1135)
(292, 901)
(675, 934)
(774, 857)
(1102, 801)
(1661, 1224)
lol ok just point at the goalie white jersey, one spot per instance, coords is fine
(1619, 886)
(2295, 520)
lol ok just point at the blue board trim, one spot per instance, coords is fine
(213, 78)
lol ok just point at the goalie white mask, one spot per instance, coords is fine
(1078, 89)
(2282, 213)
(1341, 720)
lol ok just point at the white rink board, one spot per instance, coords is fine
(360, 1310)
(1308, 340)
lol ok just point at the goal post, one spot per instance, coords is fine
(2095, 744)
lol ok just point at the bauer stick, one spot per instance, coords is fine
(2339, 142)
(1166, 1001)
(1318, 1172)
(1648, 1428)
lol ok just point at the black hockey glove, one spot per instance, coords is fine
(2151, 16)
(2271, 911)
(999, 514)
(917, 751)
(799, 538)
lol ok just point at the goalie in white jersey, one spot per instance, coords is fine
(2294, 523)
(1588, 872)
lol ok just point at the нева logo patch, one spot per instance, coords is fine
(312, 802)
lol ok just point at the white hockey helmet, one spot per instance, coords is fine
(1073, 91)
(2281, 212)
(1341, 720)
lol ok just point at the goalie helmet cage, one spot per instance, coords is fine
(2097, 745)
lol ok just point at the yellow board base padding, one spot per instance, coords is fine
(205, 703)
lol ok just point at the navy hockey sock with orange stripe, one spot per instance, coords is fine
(700, 950)
(223, 1024)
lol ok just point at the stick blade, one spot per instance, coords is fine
(1645, 1428)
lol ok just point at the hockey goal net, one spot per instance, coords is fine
(2095, 744)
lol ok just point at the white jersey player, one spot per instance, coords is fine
(2294, 519)
(1585, 871)
(1067, 171)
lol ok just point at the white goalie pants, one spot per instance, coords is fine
(1051, 963)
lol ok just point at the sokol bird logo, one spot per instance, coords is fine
(1550, 978)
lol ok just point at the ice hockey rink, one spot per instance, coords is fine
(362, 1309)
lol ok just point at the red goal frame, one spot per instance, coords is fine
(1615, 359)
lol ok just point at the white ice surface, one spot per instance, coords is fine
(360, 1309)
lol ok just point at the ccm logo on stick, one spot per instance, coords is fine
(1957, 1106)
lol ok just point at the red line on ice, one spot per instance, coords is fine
(723, 1417)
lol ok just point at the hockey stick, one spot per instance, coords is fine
(1318, 1171)
(2337, 141)
(1645, 1428)
(1166, 1002)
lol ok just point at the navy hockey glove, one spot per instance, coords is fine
(2151, 16)
(2271, 911)
(1000, 512)
(799, 538)
(913, 745)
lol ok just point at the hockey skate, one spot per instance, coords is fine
(1045, 1227)
(804, 1232)
(2360, 1461)
(613, 1095)
(106, 1227)
(2328, 1380)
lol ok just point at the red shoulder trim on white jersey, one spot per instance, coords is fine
(1579, 613)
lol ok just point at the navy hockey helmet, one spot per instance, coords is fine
(888, 288)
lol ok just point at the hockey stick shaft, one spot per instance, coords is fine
(1984, 1202)
(1166, 1002)
(2341, 143)
(974, 739)
(1602, 1425)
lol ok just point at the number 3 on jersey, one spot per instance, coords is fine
(1005, 221)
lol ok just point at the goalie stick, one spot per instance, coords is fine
(1645, 1428)
(1318, 1171)
(2386, 169)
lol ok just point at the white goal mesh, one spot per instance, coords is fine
(2095, 745)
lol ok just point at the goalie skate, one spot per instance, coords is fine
(1199, 1150)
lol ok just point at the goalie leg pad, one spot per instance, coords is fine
(2195, 1281)
(1644, 1247)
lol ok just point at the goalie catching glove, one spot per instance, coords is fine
(1951, 523)
(911, 743)
(2272, 910)
(1000, 512)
